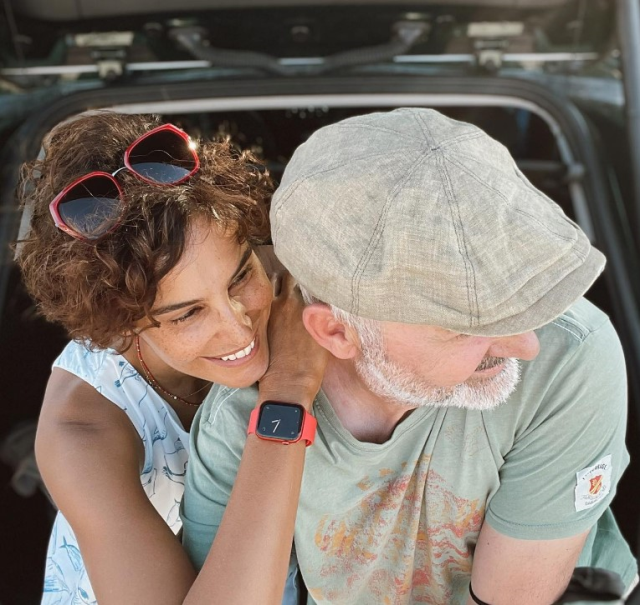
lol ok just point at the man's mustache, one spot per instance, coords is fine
(489, 362)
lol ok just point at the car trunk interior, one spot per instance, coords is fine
(273, 129)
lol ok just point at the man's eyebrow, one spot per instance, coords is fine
(188, 303)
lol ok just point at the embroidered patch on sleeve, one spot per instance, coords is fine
(593, 483)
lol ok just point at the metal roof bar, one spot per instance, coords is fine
(69, 70)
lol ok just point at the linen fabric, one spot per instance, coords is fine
(412, 217)
(166, 449)
(398, 522)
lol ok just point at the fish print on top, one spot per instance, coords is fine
(166, 446)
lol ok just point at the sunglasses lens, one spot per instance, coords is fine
(163, 157)
(92, 207)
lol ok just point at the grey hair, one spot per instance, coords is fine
(369, 331)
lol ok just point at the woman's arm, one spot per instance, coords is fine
(249, 558)
(90, 458)
(252, 547)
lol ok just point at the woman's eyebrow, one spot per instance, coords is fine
(174, 307)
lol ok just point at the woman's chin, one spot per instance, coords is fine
(254, 372)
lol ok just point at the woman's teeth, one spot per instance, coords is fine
(242, 353)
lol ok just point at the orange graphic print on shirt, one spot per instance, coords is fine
(409, 540)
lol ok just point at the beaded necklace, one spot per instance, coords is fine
(156, 385)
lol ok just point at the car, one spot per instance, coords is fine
(556, 81)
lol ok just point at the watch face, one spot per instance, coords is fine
(282, 421)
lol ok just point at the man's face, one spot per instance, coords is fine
(420, 365)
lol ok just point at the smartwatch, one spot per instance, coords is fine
(282, 422)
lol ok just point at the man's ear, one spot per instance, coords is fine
(339, 339)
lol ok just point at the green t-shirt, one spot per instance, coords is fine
(398, 522)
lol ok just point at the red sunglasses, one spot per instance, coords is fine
(93, 205)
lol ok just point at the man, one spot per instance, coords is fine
(472, 416)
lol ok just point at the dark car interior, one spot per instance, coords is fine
(30, 342)
(250, 71)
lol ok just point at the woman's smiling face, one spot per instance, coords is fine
(213, 308)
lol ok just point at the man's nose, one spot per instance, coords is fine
(525, 346)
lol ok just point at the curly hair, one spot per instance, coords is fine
(98, 291)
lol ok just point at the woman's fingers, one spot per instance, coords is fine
(285, 285)
(276, 284)
(297, 362)
(268, 259)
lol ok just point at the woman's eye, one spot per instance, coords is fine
(186, 316)
(242, 276)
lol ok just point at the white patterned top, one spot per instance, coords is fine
(166, 446)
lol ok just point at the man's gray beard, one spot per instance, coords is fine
(394, 384)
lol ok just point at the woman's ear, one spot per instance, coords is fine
(338, 338)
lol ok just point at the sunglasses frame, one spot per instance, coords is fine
(53, 206)
(59, 221)
(175, 130)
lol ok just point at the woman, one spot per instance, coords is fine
(142, 247)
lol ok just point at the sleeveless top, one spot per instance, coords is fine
(166, 450)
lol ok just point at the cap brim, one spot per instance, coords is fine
(555, 302)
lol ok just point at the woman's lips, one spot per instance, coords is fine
(234, 363)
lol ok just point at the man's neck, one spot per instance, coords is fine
(365, 415)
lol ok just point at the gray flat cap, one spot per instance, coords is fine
(410, 216)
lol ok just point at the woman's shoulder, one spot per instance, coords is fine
(86, 363)
(116, 380)
(108, 372)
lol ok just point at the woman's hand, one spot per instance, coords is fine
(269, 260)
(296, 361)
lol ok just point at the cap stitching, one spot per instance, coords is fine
(459, 237)
(278, 206)
(531, 188)
(378, 128)
(462, 245)
(375, 236)
(572, 240)
(464, 154)
(465, 136)
(426, 132)
(506, 200)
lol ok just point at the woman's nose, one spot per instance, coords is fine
(525, 346)
(235, 322)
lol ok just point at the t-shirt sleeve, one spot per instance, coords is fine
(561, 473)
(218, 436)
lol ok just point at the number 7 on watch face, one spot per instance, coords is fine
(283, 422)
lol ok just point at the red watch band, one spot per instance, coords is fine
(309, 426)
(307, 433)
